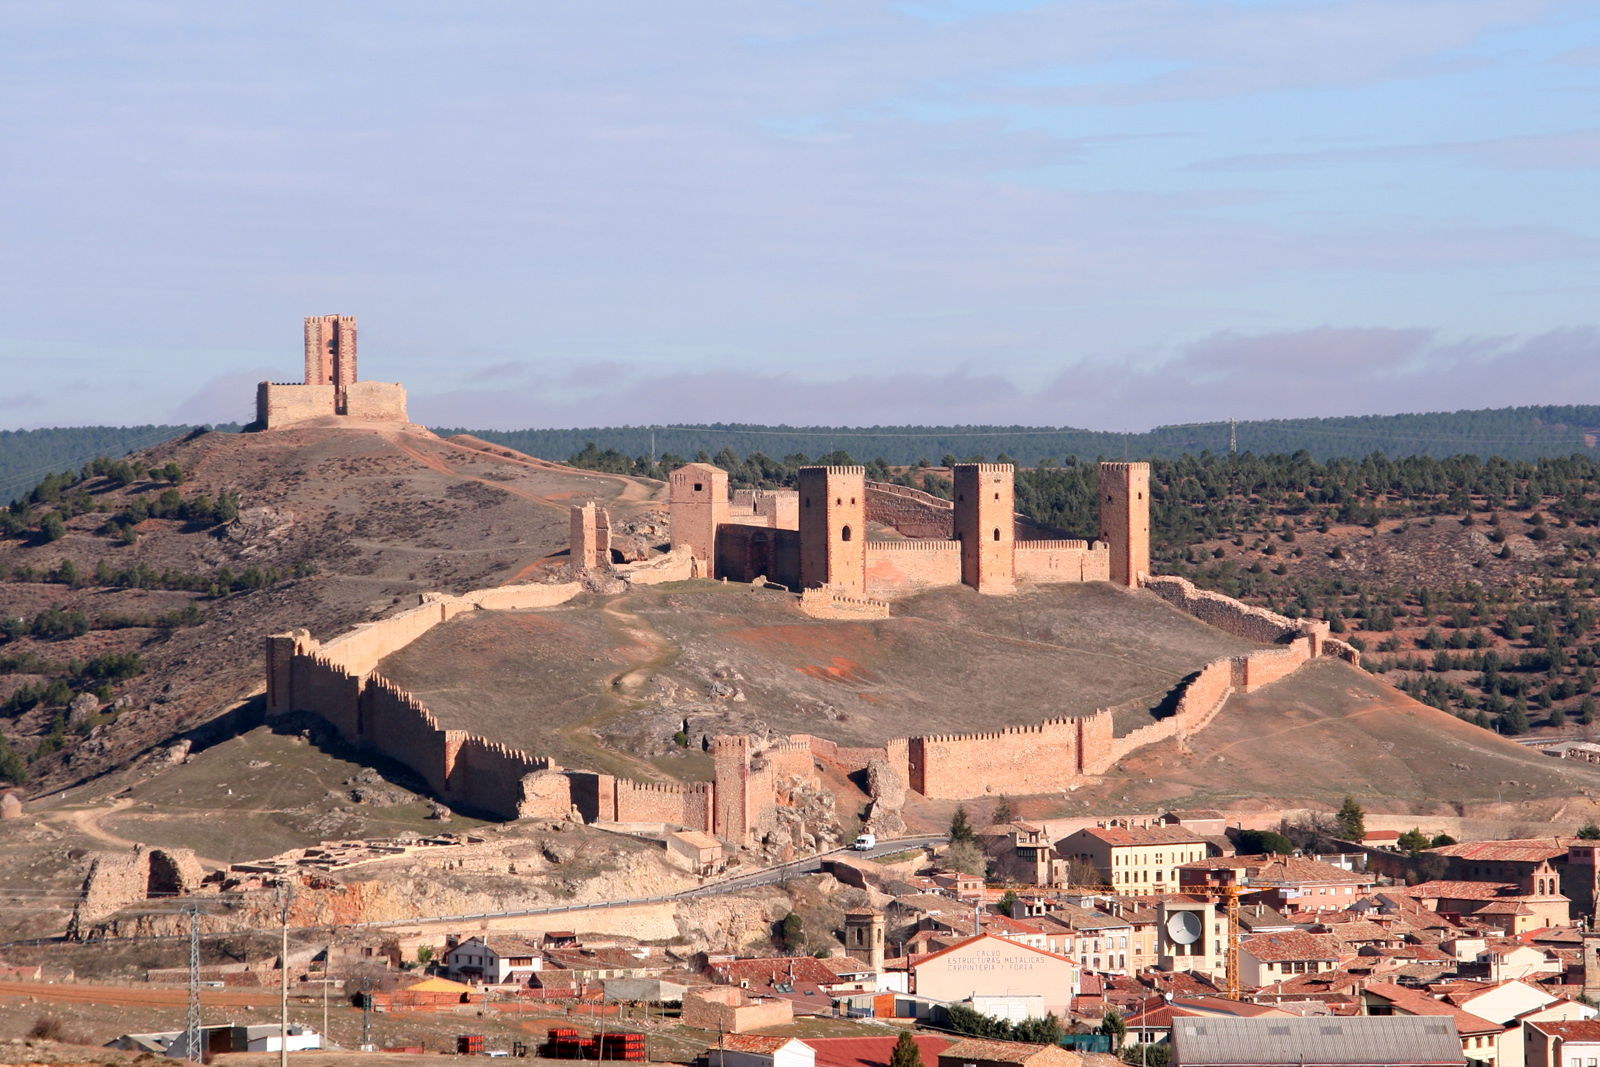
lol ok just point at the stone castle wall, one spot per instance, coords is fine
(1063, 561)
(281, 404)
(905, 566)
(1235, 617)
(911, 511)
(384, 401)
(827, 604)
(688, 805)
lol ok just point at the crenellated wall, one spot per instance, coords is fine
(827, 604)
(1063, 561)
(904, 566)
(688, 805)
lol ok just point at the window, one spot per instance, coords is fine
(698, 487)
(997, 533)
(844, 535)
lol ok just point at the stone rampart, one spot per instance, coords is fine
(1257, 669)
(376, 400)
(675, 566)
(906, 566)
(1020, 759)
(283, 404)
(910, 511)
(688, 805)
(1235, 617)
(1063, 561)
(824, 603)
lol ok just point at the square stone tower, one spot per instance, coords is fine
(590, 537)
(699, 504)
(986, 525)
(833, 528)
(331, 351)
(863, 937)
(1125, 520)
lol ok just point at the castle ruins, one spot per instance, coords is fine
(816, 538)
(331, 388)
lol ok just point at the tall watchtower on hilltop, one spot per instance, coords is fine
(1125, 520)
(699, 504)
(833, 528)
(986, 525)
(331, 352)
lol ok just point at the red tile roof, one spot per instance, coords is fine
(1416, 1002)
(1570, 1030)
(872, 1051)
(1294, 945)
(1144, 835)
(1524, 850)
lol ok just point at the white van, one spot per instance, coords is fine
(865, 843)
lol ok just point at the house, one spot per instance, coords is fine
(1289, 883)
(994, 967)
(1153, 1022)
(697, 851)
(1206, 822)
(1533, 902)
(872, 1051)
(975, 1052)
(494, 959)
(1021, 852)
(1319, 1041)
(729, 1009)
(1561, 1044)
(1480, 1039)
(1506, 962)
(754, 1050)
(1268, 958)
(804, 981)
(1134, 859)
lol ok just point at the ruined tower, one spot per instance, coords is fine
(863, 937)
(590, 537)
(1125, 520)
(833, 528)
(331, 353)
(985, 524)
(699, 504)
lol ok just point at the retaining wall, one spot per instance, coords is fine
(824, 603)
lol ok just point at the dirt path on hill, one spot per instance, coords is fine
(625, 690)
(87, 822)
(633, 490)
(434, 463)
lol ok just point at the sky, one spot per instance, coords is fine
(1112, 214)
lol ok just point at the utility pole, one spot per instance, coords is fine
(327, 962)
(366, 1013)
(192, 1032)
(286, 891)
(1233, 436)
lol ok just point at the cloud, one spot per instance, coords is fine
(1573, 149)
(229, 397)
(1325, 371)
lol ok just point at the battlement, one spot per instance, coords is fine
(1061, 546)
(840, 471)
(1127, 466)
(1048, 725)
(914, 546)
(991, 468)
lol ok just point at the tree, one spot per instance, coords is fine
(1148, 1055)
(791, 929)
(1113, 1027)
(1589, 831)
(906, 1053)
(52, 527)
(1351, 820)
(964, 856)
(1005, 810)
(960, 829)
(1441, 840)
(1008, 900)
(1413, 840)
(424, 955)
(1260, 842)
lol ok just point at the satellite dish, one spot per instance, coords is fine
(1184, 927)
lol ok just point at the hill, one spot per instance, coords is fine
(152, 597)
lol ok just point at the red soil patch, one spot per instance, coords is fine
(840, 670)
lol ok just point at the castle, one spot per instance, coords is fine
(331, 387)
(812, 539)
(815, 537)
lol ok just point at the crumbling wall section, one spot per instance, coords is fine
(676, 565)
(910, 511)
(826, 603)
(1236, 617)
